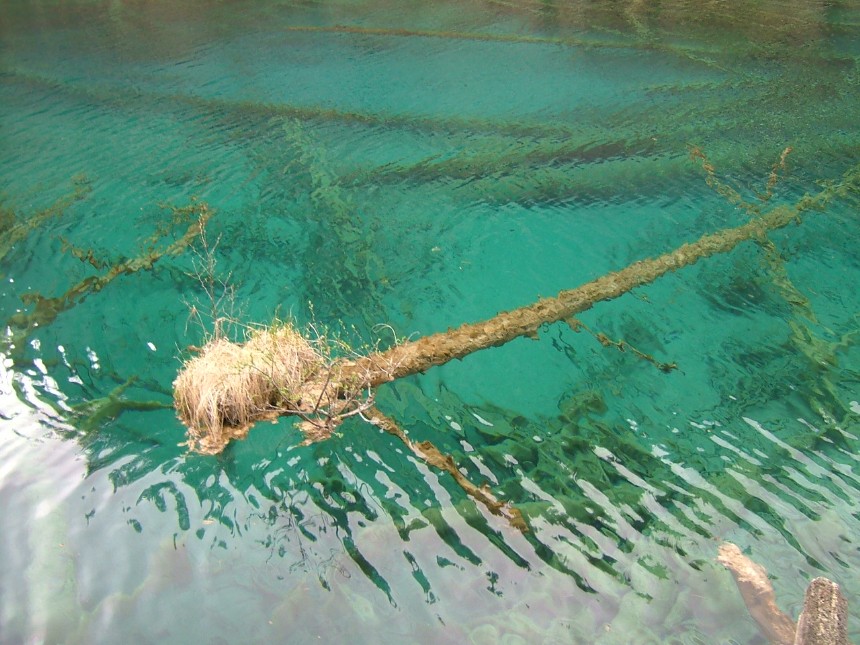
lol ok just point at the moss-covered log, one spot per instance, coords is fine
(209, 389)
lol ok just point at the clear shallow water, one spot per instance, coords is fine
(426, 167)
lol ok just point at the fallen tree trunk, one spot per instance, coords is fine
(228, 387)
(421, 354)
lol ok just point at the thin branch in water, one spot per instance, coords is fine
(773, 178)
(621, 345)
(431, 455)
(45, 310)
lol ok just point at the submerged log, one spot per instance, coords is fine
(208, 388)
(211, 387)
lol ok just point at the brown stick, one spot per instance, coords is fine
(758, 595)
(430, 454)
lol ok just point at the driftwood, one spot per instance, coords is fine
(823, 620)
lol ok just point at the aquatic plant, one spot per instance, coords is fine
(238, 382)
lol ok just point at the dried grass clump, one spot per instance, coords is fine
(228, 386)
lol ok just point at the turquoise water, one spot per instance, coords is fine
(392, 171)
